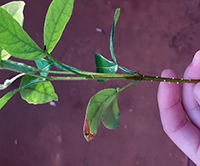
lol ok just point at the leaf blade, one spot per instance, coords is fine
(43, 64)
(7, 97)
(16, 41)
(57, 18)
(97, 106)
(112, 35)
(105, 66)
(37, 91)
(111, 118)
(15, 9)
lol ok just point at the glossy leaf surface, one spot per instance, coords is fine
(112, 35)
(57, 17)
(15, 40)
(37, 91)
(43, 64)
(15, 9)
(102, 105)
(105, 66)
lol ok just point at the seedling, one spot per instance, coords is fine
(36, 87)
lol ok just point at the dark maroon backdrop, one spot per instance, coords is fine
(150, 36)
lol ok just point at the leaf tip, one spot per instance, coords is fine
(86, 131)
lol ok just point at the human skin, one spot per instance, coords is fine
(180, 110)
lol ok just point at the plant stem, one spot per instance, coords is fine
(97, 76)
(127, 85)
(164, 79)
(84, 75)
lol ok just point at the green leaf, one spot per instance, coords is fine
(111, 117)
(102, 106)
(57, 18)
(43, 64)
(37, 91)
(17, 66)
(65, 67)
(112, 35)
(7, 97)
(105, 66)
(15, 40)
(15, 9)
(4, 55)
(127, 71)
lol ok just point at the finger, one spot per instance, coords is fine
(181, 131)
(169, 100)
(190, 103)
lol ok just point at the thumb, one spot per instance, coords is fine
(196, 92)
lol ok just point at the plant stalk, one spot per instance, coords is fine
(164, 79)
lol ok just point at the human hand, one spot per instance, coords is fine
(180, 114)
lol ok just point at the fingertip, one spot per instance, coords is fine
(168, 73)
(196, 57)
(168, 93)
(192, 71)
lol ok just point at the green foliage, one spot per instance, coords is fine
(102, 106)
(17, 66)
(37, 91)
(57, 18)
(127, 71)
(4, 55)
(35, 87)
(43, 64)
(7, 97)
(112, 35)
(15, 9)
(15, 40)
(105, 66)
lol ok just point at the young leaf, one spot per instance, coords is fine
(101, 106)
(37, 91)
(17, 66)
(4, 55)
(57, 18)
(65, 67)
(105, 66)
(43, 64)
(112, 35)
(15, 9)
(7, 97)
(15, 40)
(125, 70)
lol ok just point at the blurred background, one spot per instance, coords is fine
(150, 36)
